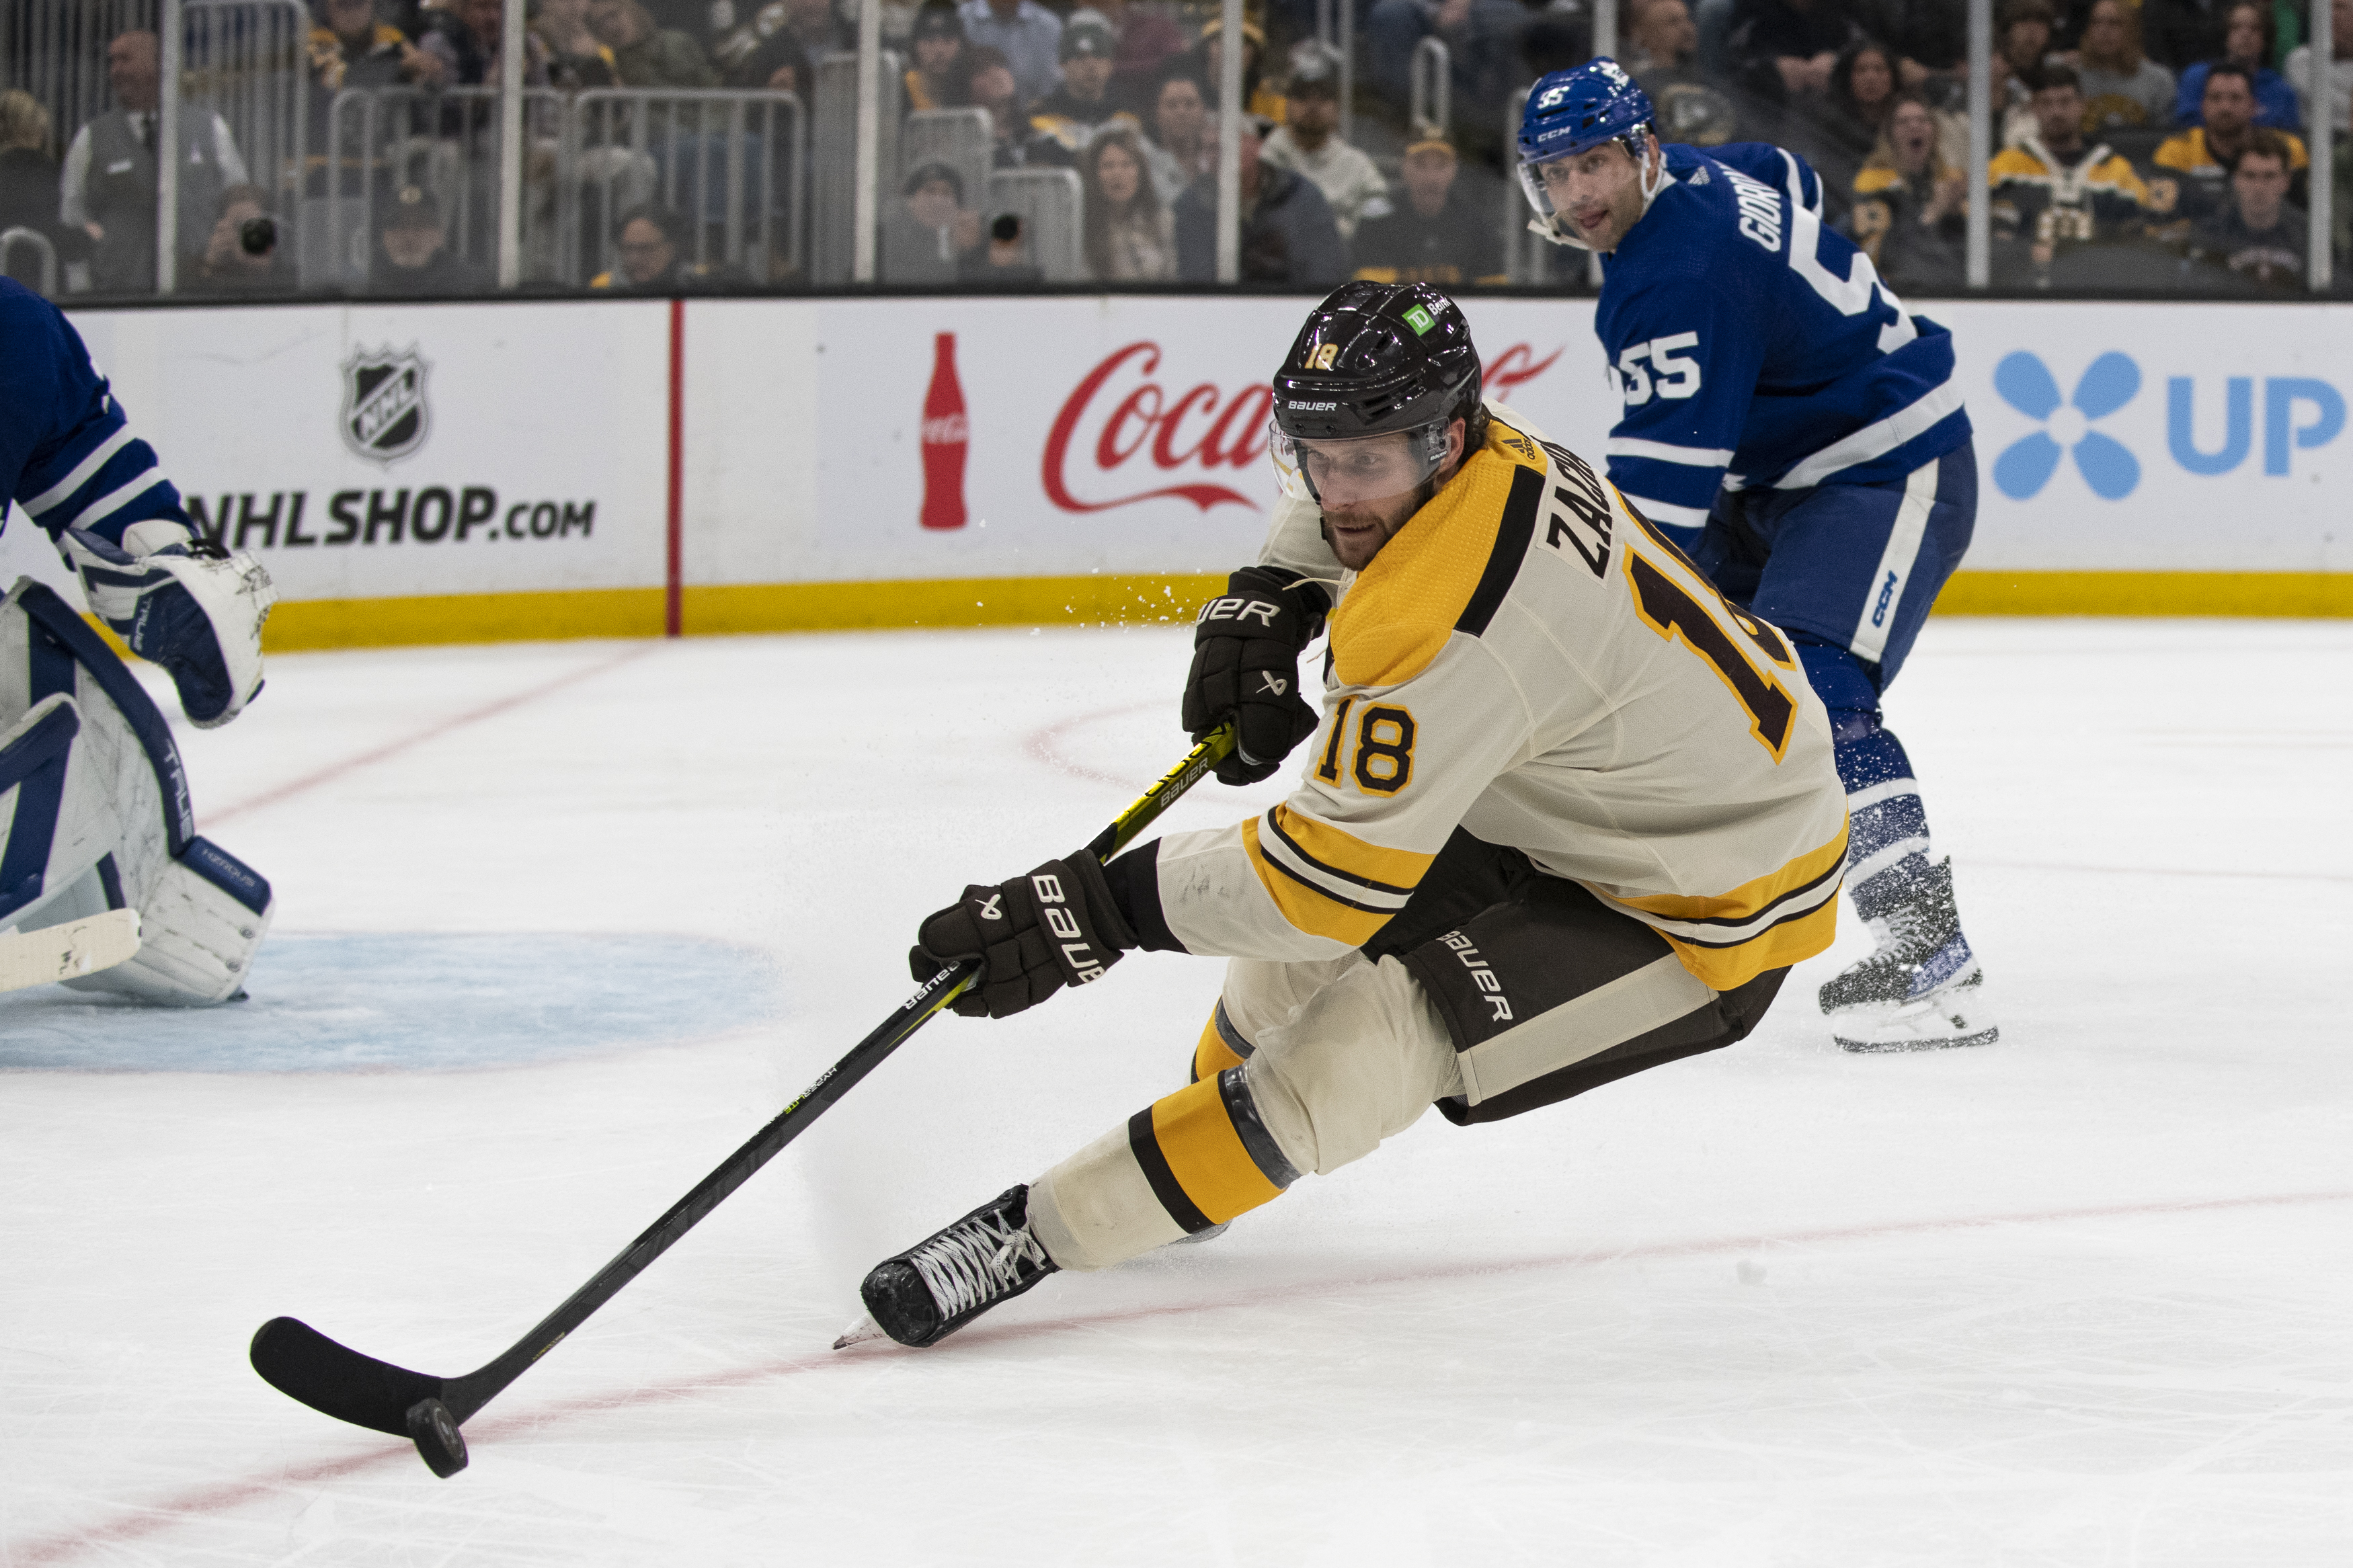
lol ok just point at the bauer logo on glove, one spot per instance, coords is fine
(1058, 926)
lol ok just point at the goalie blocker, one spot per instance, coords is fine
(94, 816)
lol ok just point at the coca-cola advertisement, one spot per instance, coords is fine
(1121, 435)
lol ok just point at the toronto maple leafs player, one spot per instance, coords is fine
(94, 812)
(1801, 435)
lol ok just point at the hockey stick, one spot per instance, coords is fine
(299, 1360)
(70, 950)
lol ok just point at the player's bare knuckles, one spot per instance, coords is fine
(1059, 925)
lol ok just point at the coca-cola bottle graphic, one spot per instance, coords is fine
(947, 435)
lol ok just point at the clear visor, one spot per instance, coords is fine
(1363, 468)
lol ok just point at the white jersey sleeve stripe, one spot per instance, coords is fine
(114, 500)
(82, 473)
(1875, 439)
(1668, 452)
(1665, 512)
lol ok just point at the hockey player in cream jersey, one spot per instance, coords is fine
(1567, 815)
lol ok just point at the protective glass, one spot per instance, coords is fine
(1364, 469)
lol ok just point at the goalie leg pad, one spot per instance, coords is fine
(199, 929)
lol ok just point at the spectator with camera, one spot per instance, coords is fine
(1004, 262)
(2256, 239)
(1308, 143)
(1130, 234)
(1432, 236)
(242, 254)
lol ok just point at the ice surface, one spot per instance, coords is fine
(587, 914)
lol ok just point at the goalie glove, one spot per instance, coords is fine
(186, 604)
(1246, 649)
(1058, 926)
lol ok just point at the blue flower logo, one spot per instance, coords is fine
(2026, 465)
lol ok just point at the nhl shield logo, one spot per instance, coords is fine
(384, 417)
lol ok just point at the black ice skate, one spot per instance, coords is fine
(1922, 988)
(936, 1288)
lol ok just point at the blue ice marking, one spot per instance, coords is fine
(408, 1002)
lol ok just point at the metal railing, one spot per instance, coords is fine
(444, 142)
(728, 161)
(56, 52)
(42, 249)
(1335, 30)
(833, 163)
(243, 61)
(1430, 87)
(960, 138)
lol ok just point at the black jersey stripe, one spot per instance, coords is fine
(1144, 1144)
(1757, 917)
(1513, 537)
(1326, 867)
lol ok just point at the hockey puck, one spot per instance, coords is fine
(439, 1440)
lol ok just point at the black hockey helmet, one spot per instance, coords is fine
(1372, 358)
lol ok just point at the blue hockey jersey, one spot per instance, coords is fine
(1754, 347)
(67, 455)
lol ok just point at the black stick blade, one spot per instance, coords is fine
(303, 1364)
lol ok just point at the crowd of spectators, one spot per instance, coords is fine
(2142, 144)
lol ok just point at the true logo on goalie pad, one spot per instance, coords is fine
(384, 415)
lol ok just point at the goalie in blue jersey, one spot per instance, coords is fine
(1801, 435)
(94, 811)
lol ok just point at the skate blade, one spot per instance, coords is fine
(1986, 1037)
(859, 1333)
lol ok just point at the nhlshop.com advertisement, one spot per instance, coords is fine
(371, 453)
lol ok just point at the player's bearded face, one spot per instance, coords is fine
(1369, 488)
(1598, 193)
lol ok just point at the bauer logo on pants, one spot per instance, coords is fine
(385, 416)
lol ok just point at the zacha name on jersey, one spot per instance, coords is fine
(1754, 347)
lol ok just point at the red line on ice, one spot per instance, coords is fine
(334, 770)
(1044, 745)
(146, 1520)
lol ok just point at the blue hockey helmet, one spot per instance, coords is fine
(1574, 112)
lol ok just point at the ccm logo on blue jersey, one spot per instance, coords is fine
(1675, 375)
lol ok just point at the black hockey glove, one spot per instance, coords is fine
(1245, 668)
(1057, 926)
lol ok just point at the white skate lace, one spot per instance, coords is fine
(971, 1264)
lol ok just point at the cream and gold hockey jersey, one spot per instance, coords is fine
(1530, 660)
